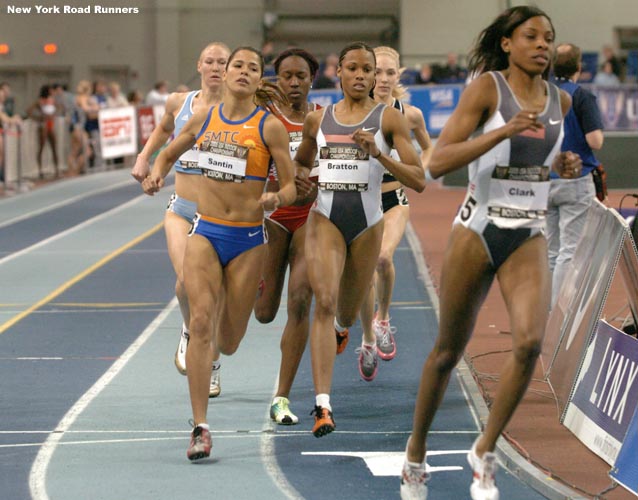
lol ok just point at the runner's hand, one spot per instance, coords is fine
(141, 169)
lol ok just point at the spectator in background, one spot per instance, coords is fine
(610, 57)
(268, 52)
(425, 75)
(83, 123)
(9, 101)
(6, 122)
(115, 98)
(451, 72)
(43, 111)
(570, 199)
(606, 76)
(158, 95)
(327, 79)
(63, 103)
(135, 98)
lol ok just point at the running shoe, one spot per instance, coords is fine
(180, 354)
(368, 362)
(201, 444)
(385, 339)
(324, 423)
(484, 470)
(342, 340)
(280, 412)
(414, 480)
(215, 388)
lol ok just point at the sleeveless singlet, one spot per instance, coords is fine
(349, 180)
(387, 175)
(508, 190)
(233, 151)
(187, 163)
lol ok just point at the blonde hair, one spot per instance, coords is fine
(221, 45)
(83, 87)
(399, 91)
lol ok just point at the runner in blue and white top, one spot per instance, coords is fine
(183, 203)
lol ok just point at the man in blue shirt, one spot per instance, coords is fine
(569, 199)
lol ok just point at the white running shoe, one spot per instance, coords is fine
(484, 469)
(180, 353)
(386, 345)
(280, 412)
(215, 382)
(414, 480)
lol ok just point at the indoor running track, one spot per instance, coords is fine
(92, 407)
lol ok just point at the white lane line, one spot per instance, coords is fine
(37, 476)
(71, 230)
(222, 432)
(389, 463)
(59, 204)
(81, 311)
(422, 267)
(268, 456)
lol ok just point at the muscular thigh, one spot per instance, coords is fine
(395, 221)
(359, 268)
(240, 281)
(202, 274)
(526, 288)
(325, 252)
(274, 266)
(466, 277)
(176, 229)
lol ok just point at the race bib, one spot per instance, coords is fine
(190, 159)
(343, 168)
(518, 196)
(223, 161)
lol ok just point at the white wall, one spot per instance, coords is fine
(431, 28)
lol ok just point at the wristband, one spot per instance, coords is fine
(378, 156)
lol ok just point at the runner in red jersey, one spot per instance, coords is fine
(296, 69)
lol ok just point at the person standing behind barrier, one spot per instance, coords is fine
(7, 123)
(508, 124)
(182, 207)
(115, 98)
(43, 111)
(158, 95)
(570, 199)
(84, 113)
(225, 249)
(286, 227)
(345, 226)
(394, 201)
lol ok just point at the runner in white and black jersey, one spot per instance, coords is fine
(396, 210)
(508, 124)
(345, 226)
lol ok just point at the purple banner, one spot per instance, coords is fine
(607, 390)
(618, 106)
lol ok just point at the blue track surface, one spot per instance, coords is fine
(75, 338)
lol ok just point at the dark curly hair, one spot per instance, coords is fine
(304, 54)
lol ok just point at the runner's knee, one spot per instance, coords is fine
(446, 359)
(299, 304)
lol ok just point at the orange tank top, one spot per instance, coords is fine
(233, 151)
